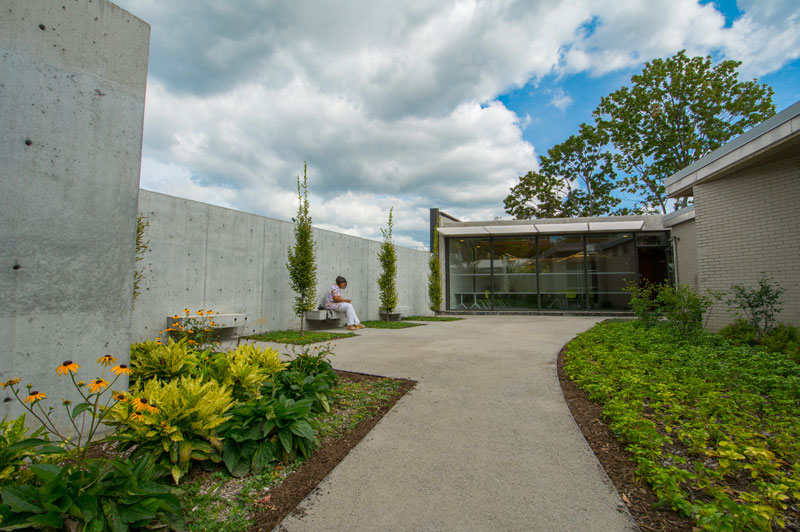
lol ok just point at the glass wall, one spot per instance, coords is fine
(514, 282)
(610, 265)
(561, 272)
(553, 272)
(469, 269)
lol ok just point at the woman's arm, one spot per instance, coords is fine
(340, 299)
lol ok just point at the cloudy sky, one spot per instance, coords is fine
(412, 104)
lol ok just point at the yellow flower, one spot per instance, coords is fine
(139, 404)
(176, 324)
(106, 360)
(119, 396)
(152, 408)
(10, 382)
(122, 369)
(213, 324)
(66, 402)
(186, 310)
(66, 367)
(170, 329)
(97, 385)
(200, 312)
(191, 342)
(137, 416)
(81, 383)
(191, 331)
(35, 396)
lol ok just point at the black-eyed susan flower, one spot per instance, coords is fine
(140, 404)
(35, 396)
(121, 369)
(66, 367)
(191, 342)
(176, 324)
(81, 383)
(151, 407)
(119, 396)
(97, 385)
(10, 382)
(106, 360)
(137, 416)
(186, 311)
(213, 324)
(200, 312)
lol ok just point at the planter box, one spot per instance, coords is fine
(392, 316)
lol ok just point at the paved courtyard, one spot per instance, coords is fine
(484, 442)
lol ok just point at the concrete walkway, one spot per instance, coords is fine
(484, 442)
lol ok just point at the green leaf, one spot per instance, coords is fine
(26, 444)
(51, 519)
(45, 472)
(85, 507)
(22, 499)
(286, 439)
(80, 408)
(113, 518)
(303, 428)
(262, 456)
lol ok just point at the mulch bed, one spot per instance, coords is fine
(618, 462)
(291, 492)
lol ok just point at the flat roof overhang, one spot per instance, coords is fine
(549, 228)
(778, 134)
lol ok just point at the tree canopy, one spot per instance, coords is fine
(674, 112)
(301, 263)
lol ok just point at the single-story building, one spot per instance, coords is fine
(744, 221)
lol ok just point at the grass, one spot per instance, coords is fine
(713, 428)
(432, 318)
(297, 338)
(381, 324)
(217, 501)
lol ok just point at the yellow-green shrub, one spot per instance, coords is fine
(176, 421)
(246, 369)
(151, 360)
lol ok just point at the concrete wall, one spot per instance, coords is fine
(686, 255)
(72, 87)
(202, 256)
(747, 224)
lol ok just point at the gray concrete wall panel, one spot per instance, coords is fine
(72, 89)
(202, 256)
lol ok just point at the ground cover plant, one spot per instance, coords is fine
(299, 338)
(713, 428)
(432, 318)
(380, 324)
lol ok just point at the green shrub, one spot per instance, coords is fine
(387, 281)
(643, 302)
(740, 332)
(783, 339)
(152, 360)
(174, 421)
(18, 449)
(759, 306)
(105, 495)
(683, 308)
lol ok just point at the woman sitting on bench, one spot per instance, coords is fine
(335, 301)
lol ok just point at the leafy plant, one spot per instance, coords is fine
(115, 495)
(435, 273)
(387, 281)
(683, 307)
(245, 369)
(153, 360)
(309, 376)
(142, 246)
(759, 306)
(301, 263)
(266, 430)
(18, 449)
(783, 339)
(174, 422)
(643, 302)
(197, 330)
(740, 332)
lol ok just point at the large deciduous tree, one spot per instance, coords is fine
(302, 265)
(575, 178)
(675, 112)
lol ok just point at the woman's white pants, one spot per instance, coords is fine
(352, 319)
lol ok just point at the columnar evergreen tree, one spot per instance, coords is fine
(435, 275)
(302, 265)
(387, 282)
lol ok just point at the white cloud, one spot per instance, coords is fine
(560, 99)
(393, 103)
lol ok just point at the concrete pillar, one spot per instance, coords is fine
(72, 88)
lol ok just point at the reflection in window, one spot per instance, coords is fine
(561, 272)
(610, 265)
(514, 273)
(470, 274)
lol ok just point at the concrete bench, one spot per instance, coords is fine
(324, 315)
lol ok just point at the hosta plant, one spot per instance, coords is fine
(175, 421)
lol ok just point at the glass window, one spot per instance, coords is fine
(469, 264)
(610, 261)
(514, 273)
(561, 272)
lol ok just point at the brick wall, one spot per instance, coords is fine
(686, 253)
(748, 223)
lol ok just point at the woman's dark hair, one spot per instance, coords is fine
(340, 280)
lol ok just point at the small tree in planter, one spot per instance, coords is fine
(301, 265)
(435, 276)
(387, 282)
